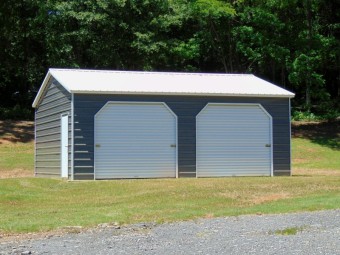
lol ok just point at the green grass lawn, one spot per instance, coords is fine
(316, 148)
(16, 148)
(17, 156)
(310, 155)
(36, 204)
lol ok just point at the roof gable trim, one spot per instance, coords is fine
(43, 88)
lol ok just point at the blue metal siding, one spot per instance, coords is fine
(55, 101)
(186, 108)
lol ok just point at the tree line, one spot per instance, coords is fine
(292, 43)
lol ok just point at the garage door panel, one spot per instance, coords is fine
(133, 154)
(135, 140)
(220, 165)
(126, 150)
(132, 167)
(231, 167)
(238, 132)
(218, 145)
(233, 140)
(140, 145)
(129, 176)
(237, 173)
(124, 175)
(226, 160)
(220, 148)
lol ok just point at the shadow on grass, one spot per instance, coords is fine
(16, 131)
(323, 133)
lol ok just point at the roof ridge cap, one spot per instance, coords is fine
(148, 72)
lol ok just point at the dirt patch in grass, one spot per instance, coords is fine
(16, 131)
(16, 173)
(269, 198)
(302, 129)
(300, 160)
(315, 172)
(10, 237)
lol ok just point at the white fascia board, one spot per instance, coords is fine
(177, 94)
(43, 88)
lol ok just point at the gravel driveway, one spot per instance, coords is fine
(317, 233)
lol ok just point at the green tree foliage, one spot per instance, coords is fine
(316, 52)
(21, 51)
(292, 43)
(214, 19)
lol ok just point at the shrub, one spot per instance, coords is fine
(308, 116)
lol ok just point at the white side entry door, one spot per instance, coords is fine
(64, 146)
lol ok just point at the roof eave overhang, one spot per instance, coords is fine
(180, 94)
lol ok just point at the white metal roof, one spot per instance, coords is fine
(161, 83)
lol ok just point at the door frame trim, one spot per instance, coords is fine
(246, 104)
(61, 145)
(134, 102)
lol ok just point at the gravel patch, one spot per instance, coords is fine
(297, 233)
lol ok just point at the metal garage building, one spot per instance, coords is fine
(92, 124)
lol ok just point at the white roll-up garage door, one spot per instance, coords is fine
(135, 140)
(233, 140)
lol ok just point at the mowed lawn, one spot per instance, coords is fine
(34, 204)
(313, 157)
(316, 148)
(16, 159)
(16, 148)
